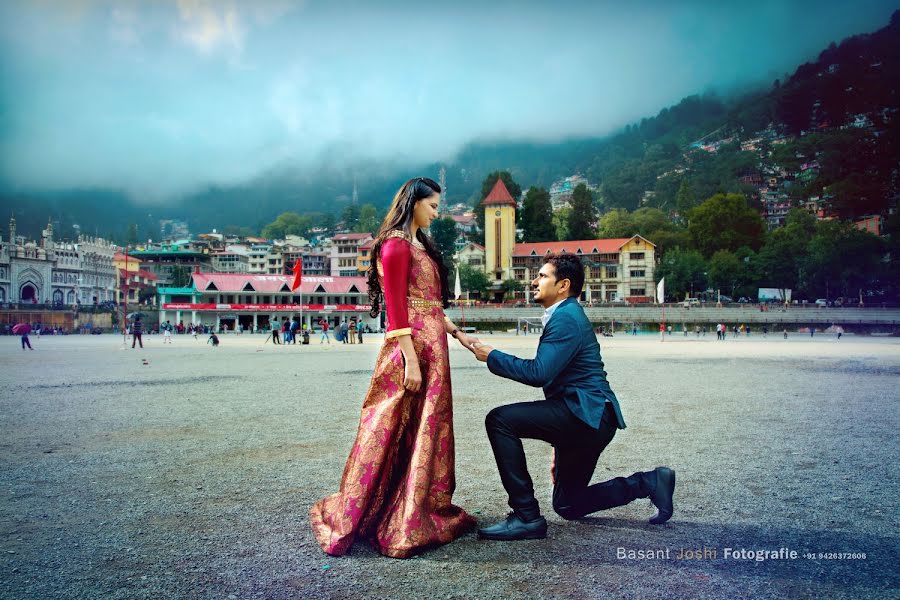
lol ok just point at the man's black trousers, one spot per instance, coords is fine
(578, 447)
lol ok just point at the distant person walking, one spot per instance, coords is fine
(294, 328)
(324, 337)
(344, 328)
(137, 332)
(359, 330)
(25, 329)
(276, 339)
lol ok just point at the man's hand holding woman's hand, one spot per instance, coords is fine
(481, 350)
(474, 345)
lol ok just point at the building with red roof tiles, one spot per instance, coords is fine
(614, 269)
(252, 301)
(471, 254)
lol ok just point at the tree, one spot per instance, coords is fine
(561, 223)
(474, 281)
(842, 260)
(486, 186)
(583, 217)
(666, 240)
(287, 223)
(443, 234)
(617, 223)
(369, 219)
(350, 217)
(537, 216)
(510, 287)
(781, 259)
(650, 219)
(685, 272)
(324, 220)
(725, 222)
(685, 199)
(804, 222)
(726, 272)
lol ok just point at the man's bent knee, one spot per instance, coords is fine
(569, 513)
(494, 419)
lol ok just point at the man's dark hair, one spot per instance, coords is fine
(568, 266)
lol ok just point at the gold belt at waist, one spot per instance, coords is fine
(423, 303)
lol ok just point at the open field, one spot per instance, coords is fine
(191, 476)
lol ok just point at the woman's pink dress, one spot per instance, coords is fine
(398, 483)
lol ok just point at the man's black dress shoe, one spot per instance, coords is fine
(515, 528)
(661, 497)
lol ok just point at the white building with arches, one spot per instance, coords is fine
(56, 273)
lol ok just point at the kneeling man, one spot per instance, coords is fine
(579, 416)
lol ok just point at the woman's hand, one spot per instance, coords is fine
(466, 340)
(412, 376)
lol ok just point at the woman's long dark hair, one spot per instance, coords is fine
(399, 217)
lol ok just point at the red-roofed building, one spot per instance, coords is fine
(871, 223)
(141, 283)
(466, 223)
(614, 269)
(471, 254)
(251, 301)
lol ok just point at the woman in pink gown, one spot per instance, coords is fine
(397, 487)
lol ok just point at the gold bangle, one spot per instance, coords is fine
(398, 332)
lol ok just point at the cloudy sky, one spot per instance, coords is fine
(161, 97)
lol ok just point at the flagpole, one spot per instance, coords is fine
(297, 284)
(125, 301)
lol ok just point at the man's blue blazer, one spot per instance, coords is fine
(567, 365)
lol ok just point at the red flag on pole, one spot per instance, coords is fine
(298, 275)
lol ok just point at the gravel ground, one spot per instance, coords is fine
(191, 476)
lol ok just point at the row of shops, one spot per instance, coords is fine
(240, 301)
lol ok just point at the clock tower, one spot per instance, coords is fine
(499, 232)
